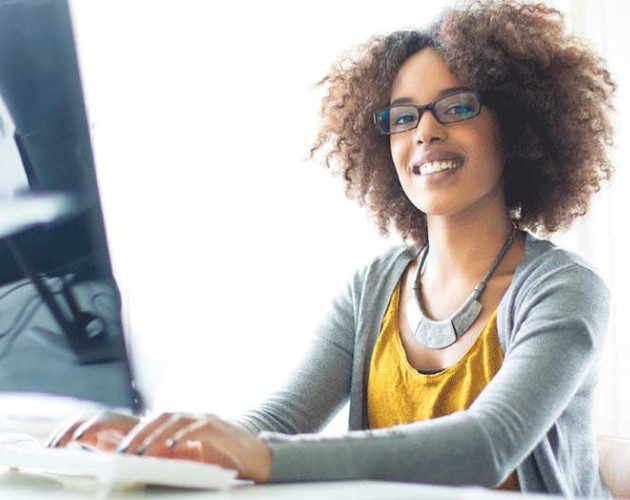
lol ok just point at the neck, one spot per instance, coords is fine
(465, 247)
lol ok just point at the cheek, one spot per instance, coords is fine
(398, 151)
(488, 150)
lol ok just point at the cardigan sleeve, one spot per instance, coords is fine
(559, 325)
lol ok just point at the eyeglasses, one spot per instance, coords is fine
(451, 108)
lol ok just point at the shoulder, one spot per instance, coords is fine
(391, 257)
(392, 261)
(547, 265)
(555, 289)
(368, 289)
(373, 282)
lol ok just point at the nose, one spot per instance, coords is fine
(429, 130)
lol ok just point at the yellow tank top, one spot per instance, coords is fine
(399, 394)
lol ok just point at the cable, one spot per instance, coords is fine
(11, 339)
(13, 326)
(8, 331)
(26, 282)
(16, 287)
(21, 314)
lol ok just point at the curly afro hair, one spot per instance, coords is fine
(551, 93)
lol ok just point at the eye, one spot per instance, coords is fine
(457, 107)
(401, 116)
(460, 109)
(403, 119)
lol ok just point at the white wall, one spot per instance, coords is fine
(228, 244)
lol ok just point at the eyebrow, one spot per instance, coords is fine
(443, 92)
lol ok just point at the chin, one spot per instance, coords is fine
(454, 203)
(438, 207)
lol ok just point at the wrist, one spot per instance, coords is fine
(266, 463)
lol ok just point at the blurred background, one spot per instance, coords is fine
(227, 242)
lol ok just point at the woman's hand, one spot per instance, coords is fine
(103, 432)
(204, 438)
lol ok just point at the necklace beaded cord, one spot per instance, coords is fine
(440, 334)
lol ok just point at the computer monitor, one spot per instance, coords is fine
(60, 308)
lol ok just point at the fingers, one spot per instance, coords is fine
(102, 432)
(203, 440)
(105, 431)
(152, 437)
(180, 436)
(62, 436)
(225, 444)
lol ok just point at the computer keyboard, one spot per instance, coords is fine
(114, 469)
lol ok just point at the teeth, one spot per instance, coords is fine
(437, 166)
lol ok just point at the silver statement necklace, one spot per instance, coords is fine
(439, 334)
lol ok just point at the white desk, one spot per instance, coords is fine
(24, 486)
(41, 421)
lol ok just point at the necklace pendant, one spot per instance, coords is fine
(440, 334)
(435, 334)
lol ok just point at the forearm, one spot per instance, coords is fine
(437, 452)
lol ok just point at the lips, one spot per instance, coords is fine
(437, 161)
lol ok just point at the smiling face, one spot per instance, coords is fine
(445, 169)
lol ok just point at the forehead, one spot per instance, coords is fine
(422, 77)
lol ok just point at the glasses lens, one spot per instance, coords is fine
(402, 118)
(396, 119)
(457, 107)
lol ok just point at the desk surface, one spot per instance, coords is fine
(26, 486)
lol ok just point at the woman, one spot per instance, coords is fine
(470, 355)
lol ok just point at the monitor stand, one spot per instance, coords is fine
(84, 332)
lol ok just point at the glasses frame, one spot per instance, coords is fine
(431, 107)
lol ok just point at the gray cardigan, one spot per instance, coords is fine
(535, 415)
